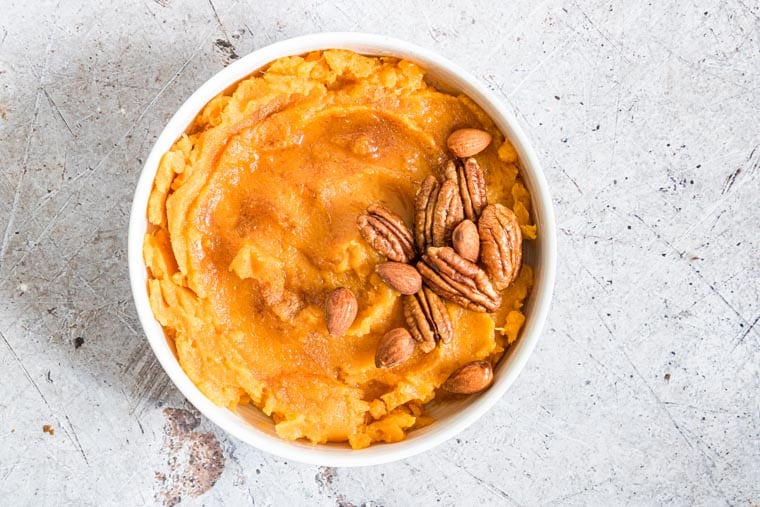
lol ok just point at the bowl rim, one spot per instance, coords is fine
(542, 209)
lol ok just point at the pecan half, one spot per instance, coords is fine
(447, 213)
(500, 244)
(439, 315)
(424, 203)
(437, 211)
(427, 318)
(472, 186)
(450, 170)
(387, 233)
(419, 327)
(453, 277)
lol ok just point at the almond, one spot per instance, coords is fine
(465, 143)
(470, 378)
(395, 347)
(466, 240)
(340, 311)
(399, 276)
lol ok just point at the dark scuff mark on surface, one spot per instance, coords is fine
(149, 382)
(195, 460)
(730, 180)
(342, 502)
(227, 49)
(751, 165)
(78, 342)
(224, 45)
(325, 477)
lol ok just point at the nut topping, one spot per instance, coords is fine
(465, 143)
(437, 210)
(395, 347)
(500, 244)
(399, 276)
(453, 277)
(450, 170)
(454, 229)
(439, 315)
(424, 203)
(471, 378)
(466, 240)
(387, 233)
(340, 311)
(427, 318)
(472, 186)
(447, 213)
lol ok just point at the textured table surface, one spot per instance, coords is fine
(644, 388)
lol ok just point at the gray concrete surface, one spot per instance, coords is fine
(645, 386)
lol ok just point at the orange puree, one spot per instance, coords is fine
(253, 215)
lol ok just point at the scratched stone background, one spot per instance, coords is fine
(644, 388)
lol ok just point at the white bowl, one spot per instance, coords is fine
(250, 425)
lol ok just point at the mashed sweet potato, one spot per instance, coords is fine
(253, 215)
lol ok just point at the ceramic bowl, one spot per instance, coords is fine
(248, 423)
